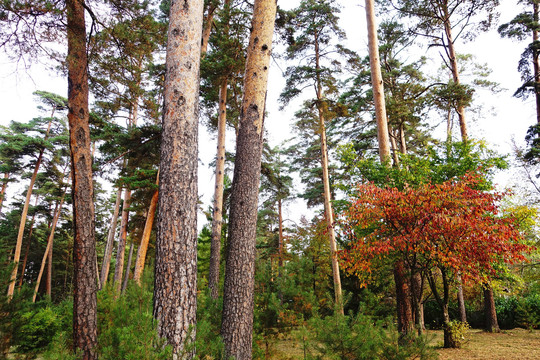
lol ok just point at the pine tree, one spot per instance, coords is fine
(175, 290)
(237, 321)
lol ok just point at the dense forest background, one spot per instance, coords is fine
(350, 222)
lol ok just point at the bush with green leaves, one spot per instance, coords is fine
(359, 337)
(528, 311)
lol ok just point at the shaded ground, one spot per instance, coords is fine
(510, 344)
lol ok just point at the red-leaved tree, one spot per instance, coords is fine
(453, 227)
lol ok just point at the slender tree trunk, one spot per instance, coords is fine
(402, 140)
(3, 191)
(121, 249)
(328, 212)
(24, 214)
(84, 245)
(217, 214)
(490, 312)
(536, 64)
(416, 292)
(451, 52)
(280, 239)
(237, 321)
(27, 250)
(48, 249)
(128, 268)
(175, 290)
(110, 240)
(141, 252)
(48, 283)
(207, 29)
(377, 83)
(461, 300)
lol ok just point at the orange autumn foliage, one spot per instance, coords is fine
(452, 225)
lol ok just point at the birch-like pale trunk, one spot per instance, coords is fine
(217, 213)
(110, 241)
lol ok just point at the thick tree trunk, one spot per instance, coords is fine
(237, 322)
(143, 247)
(84, 246)
(455, 73)
(24, 214)
(377, 83)
(461, 300)
(217, 214)
(121, 249)
(403, 299)
(490, 312)
(48, 249)
(175, 290)
(110, 241)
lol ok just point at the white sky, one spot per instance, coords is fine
(510, 117)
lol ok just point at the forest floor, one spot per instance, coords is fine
(509, 344)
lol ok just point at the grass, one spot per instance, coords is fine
(509, 344)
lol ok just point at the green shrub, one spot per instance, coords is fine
(528, 311)
(506, 311)
(36, 331)
(360, 337)
(458, 332)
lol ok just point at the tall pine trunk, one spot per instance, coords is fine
(84, 246)
(217, 214)
(27, 250)
(455, 73)
(175, 290)
(128, 268)
(403, 297)
(110, 240)
(328, 212)
(145, 239)
(536, 64)
(237, 321)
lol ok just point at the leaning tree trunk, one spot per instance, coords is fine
(490, 312)
(48, 249)
(175, 290)
(24, 214)
(217, 214)
(27, 250)
(145, 239)
(84, 245)
(128, 268)
(237, 321)
(110, 240)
